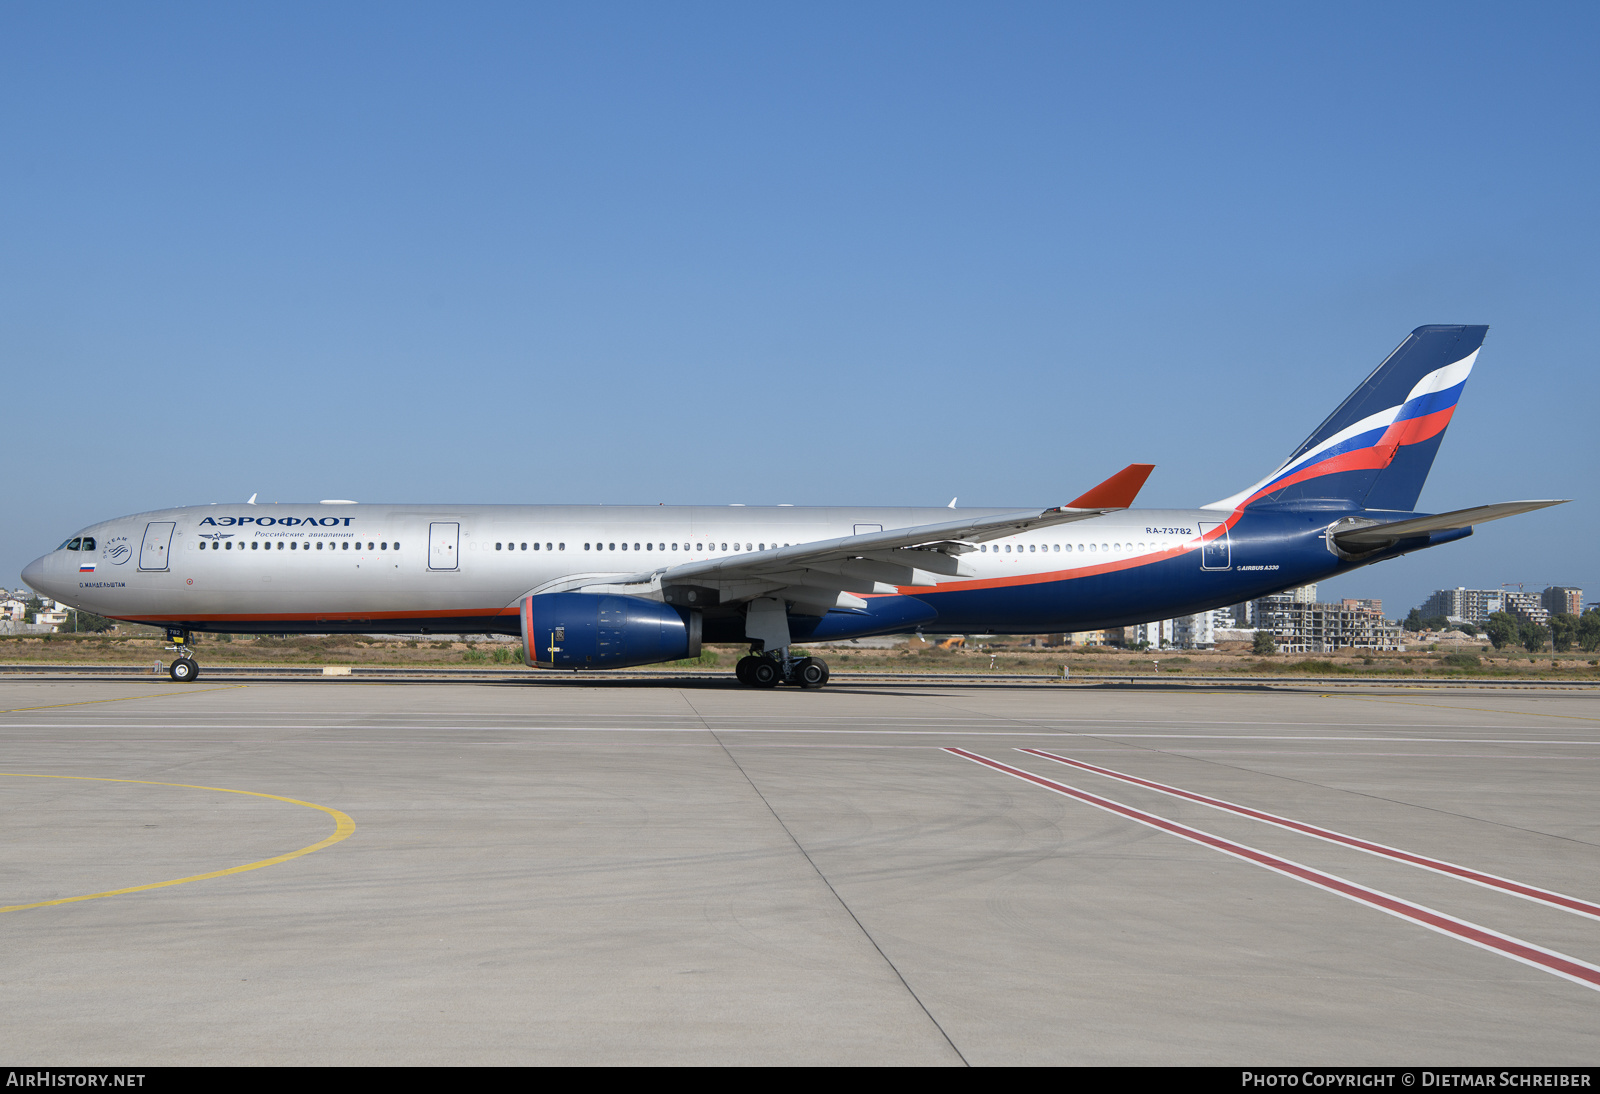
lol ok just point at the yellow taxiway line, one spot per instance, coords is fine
(344, 827)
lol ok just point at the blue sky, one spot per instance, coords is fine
(876, 254)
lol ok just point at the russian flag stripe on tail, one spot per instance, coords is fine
(1376, 449)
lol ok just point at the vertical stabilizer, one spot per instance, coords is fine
(1376, 449)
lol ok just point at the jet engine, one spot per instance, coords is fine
(589, 630)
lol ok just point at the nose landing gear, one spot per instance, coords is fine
(184, 669)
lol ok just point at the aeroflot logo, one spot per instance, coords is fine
(281, 522)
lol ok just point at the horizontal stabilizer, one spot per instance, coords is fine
(1118, 491)
(1378, 535)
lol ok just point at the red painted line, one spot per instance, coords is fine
(1438, 866)
(1559, 964)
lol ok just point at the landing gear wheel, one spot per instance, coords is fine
(184, 670)
(742, 669)
(811, 673)
(764, 673)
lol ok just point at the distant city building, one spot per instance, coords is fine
(1158, 633)
(1087, 638)
(1525, 606)
(1189, 632)
(1306, 626)
(1476, 605)
(1562, 600)
(1464, 605)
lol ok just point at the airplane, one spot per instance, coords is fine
(594, 587)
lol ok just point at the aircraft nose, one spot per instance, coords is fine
(33, 575)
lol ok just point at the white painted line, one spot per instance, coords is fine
(243, 723)
(1551, 961)
(1438, 866)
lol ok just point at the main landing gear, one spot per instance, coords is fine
(184, 669)
(764, 670)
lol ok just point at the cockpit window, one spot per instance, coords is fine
(73, 545)
(88, 543)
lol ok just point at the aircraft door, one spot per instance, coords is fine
(1215, 553)
(157, 545)
(444, 541)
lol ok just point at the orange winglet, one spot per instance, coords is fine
(1118, 491)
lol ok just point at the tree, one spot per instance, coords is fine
(1589, 630)
(1533, 636)
(1264, 644)
(1563, 631)
(1418, 622)
(1502, 629)
(34, 606)
(87, 622)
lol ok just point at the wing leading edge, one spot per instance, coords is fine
(823, 574)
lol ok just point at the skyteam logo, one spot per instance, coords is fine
(117, 551)
(280, 522)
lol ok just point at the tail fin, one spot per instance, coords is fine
(1377, 448)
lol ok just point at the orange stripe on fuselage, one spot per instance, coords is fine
(1092, 570)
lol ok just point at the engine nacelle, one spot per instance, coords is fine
(588, 630)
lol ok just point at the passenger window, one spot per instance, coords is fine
(293, 545)
(585, 546)
(1032, 548)
(228, 546)
(524, 546)
(385, 546)
(345, 546)
(496, 546)
(612, 546)
(254, 545)
(559, 546)
(535, 546)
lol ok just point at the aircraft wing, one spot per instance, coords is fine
(825, 572)
(1379, 535)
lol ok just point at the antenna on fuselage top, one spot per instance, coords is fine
(952, 504)
(252, 500)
